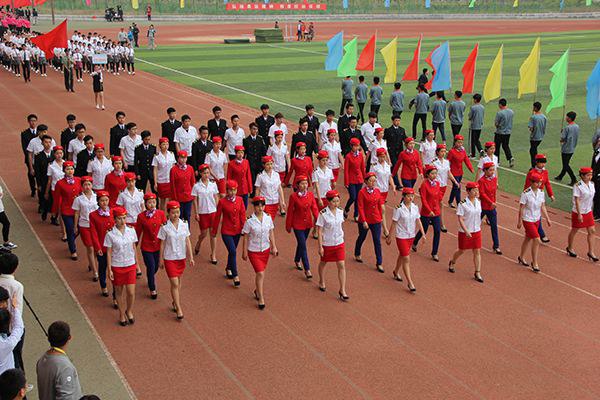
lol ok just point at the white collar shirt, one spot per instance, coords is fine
(324, 127)
(234, 138)
(55, 172)
(163, 163)
(383, 173)
(274, 128)
(427, 150)
(8, 343)
(471, 214)
(35, 145)
(133, 203)
(532, 201)
(374, 145)
(443, 168)
(278, 154)
(585, 193)
(269, 186)
(74, 147)
(99, 169)
(175, 240)
(186, 138)
(331, 226)
(128, 145)
(484, 160)
(333, 150)
(257, 232)
(217, 162)
(322, 178)
(85, 205)
(368, 131)
(123, 246)
(205, 197)
(14, 288)
(406, 220)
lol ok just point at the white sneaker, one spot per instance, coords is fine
(97, 106)
(10, 245)
(103, 107)
(133, 73)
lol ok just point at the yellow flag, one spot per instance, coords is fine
(181, 3)
(135, 4)
(390, 57)
(528, 72)
(493, 82)
(516, 4)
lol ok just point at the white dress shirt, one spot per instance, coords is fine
(8, 343)
(174, 240)
(333, 150)
(133, 203)
(14, 288)
(471, 214)
(443, 168)
(85, 206)
(269, 186)
(585, 193)
(217, 162)
(368, 131)
(128, 145)
(35, 145)
(532, 212)
(186, 138)
(56, 173)
(283, 128)
(233, 139)
(427, 150)
(484, 160)
(163, 164)
(99, 170)
(122, 244)
(75, 146)
(205, 197)
(324, 127)
(383, 173)
(374, 145)
(258, 232)
(323, 180)
(406, 220)
(331, 226)
(278, 153)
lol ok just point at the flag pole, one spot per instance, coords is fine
(52, 10)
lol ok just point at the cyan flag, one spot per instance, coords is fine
(387, 3)
(593, 93)
(440, 58)
(335, 52)
(562, 4)
(345, 4)
(427, 3)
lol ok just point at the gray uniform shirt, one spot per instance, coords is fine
(376, 93)
(360, 93)
(569, 137)
(456, 112)
(347, 89)
(421, 103)
(57, 378)
(476, 114)
(397, 100)
(504, 121)
(439, 111)
(538, 123)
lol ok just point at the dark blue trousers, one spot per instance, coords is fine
(375, 234)
(69, 221)
(301, 252)
(435, 222)
(186, 211)
(353, 190)
(102, 270)
(455, 192)
(151, 260)
(492, 217)
(245, 200)
(408, 183)
(541, 230)
(231, 243)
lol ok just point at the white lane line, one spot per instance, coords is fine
(296, 49)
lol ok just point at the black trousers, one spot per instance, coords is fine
(361, 109)
(143, 182)
(533, 150)
(416, 118)
(566, 168)
(475, 142)
(375, 108)
(45, 204)
(455, 129)
(5, 226)
(504, 142)
(26, 71)
(597, 198)
(68, 74)
(438, 126)
(343, 105)
(18, 353)
(31, 179)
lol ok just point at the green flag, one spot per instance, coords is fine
(347, 66)
(558, 84)
(472, 4)
(588, 2)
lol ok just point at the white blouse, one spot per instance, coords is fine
(205, 197)
(258, 232)
(269, 186)
(99, 170)
(163, 164)
(85, 206)
(56, 173)
(133, 203)
(278, 154)
(217, 162)
(323, 180)
(471, 214)
(406, 220)
(532, 201)
(122, 244)
(174, 239)
(331, 226)
(585, 194)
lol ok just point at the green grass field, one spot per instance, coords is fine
(292, 73)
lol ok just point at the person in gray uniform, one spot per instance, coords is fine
(504, 125)
(438, 113)
(476, 115)
(360, 94)
(397, 100)
(376, 94)
(347, 85)
(456, 113)
(421, 103)
(568, 142)
(537, 127)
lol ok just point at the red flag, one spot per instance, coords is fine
(468, 70)
(57, 37)
(428, 61)
(412, 71)
(366, 60)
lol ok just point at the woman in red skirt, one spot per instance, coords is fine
(114, 182)
(174, 249)
(268, 185)
(406, 221)
(206, 197)
(121, 258)
(468, 212)
(582, 216)
(331, 241)
(83, 205)
(161, 169)
(532, 205)
(258, 241)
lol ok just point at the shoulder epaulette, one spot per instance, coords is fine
(323, 211)
(463, 201)
(579, 183)
(527, 190)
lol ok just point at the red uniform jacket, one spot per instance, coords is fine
(66, 194)
(299, 212)
(240, 172)
(431, 196)
(234, 216)
(369, 206)
(300, 166)
(411, 164)
(457, 157)
(545, 180)
(354, 169)
(99, 225)
(147, 228)
(182, 182)
(487, 191)
(114, 185)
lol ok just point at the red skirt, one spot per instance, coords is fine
(443, 191)
(55, 203)
(174, 268)
(272, 209)
(259, 259)
(205, 220)
(325, 203)
(123, 275)
(336, 174)
(334, 253)
(469, 243)
(531, 229)
(588, 220)
(282, 176)
(86, 236)
(221, 185)
(164, 191)
(404, 246)
(384, 196)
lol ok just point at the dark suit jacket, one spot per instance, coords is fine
(308, 138)
(348, 134)
(395, 141)
(199, 152)
(26, 137)
(263, 126)
(66, 136)
(343, 123)
(313, 125)
(142, 160)
(83, 158)
(40, 166)
(255, 150)
(215, 129)
(168, 130)
(116, 134)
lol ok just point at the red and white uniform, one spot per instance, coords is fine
(487, 192)
(101, 221)
(133, 202)
(300, 166)
(332, 233)
(233, 138)
(545, 182)
(322, 178)
(334, 150)
(239, 171)
(98, 170)
(411, 164)
(55, 174)
(406, 226)
(585, 193)
(279, 154)
(147, 225)
(269, 185)
(85, 205)
(443, 168)
(114, 183)
(374, 146)
(163, 164)
(456, 157)
(430, 198)
(302, 211)
(234, 216)
(369, 206)
(206, 204)
(174, 248)
(257, 234)
(471, 214)
(354, 168)
(383, 173)
(182, 181)
(532, 211)
(217, 162)
(427, 150)
(484, 160)
(66, 191)
(123, 254)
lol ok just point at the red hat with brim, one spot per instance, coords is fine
(429, 168)
(182, 153)
(172, 205)
(56, 148)
(114, 159)
(408, 190)
(239, 148)
(102, 193)
(267, 159)
(217, 139)
(258, 199)
(322, 154)
(381, 151)
(68, 164)
(585, 170)
(459, 137)
(489, 144)
(354, 142)
(99, 146)
(231, 184)
(331, 131)
(472, 185)
(409, 140)
(163, 140)
(149, 196)
(370, 174)
(331, 194)
(129, 176)
(202, 167)
(301, 178)
(300, 144)
(119, 212)
(488, 165)
(87, 178)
